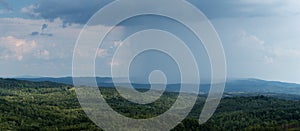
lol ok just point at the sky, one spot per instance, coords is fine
(260, 38)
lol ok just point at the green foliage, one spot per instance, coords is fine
(51, 106)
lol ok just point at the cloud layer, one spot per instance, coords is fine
(80, 11)
(18, 49)
(69, 11)
(259, 37)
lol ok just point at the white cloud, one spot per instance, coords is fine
(250, 41)
(252, 45)
(43, 54)
(269, 59)
(16, 48)
(101, 52)
(114, 63)
(249, 48)
(60, 44)
(118, 43)
(30, 10)
(286, 52)
(56, 50)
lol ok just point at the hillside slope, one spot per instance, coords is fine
(35, 107)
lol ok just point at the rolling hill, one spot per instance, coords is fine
(232, 86)
(26, 105)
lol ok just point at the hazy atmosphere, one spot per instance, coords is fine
(260, 38)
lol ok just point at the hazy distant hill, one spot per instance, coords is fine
(237, 86)
(257, 85)
(103, 81)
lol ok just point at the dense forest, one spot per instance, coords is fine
(50, 106)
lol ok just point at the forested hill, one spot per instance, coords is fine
(50, 106)
(13, 83)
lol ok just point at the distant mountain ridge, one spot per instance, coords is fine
(249, 85)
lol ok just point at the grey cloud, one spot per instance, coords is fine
(44, 26)
(35, 33)
(46, 34)
(69, 11)
(5, 5)
(80, 11)
(234, 8)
